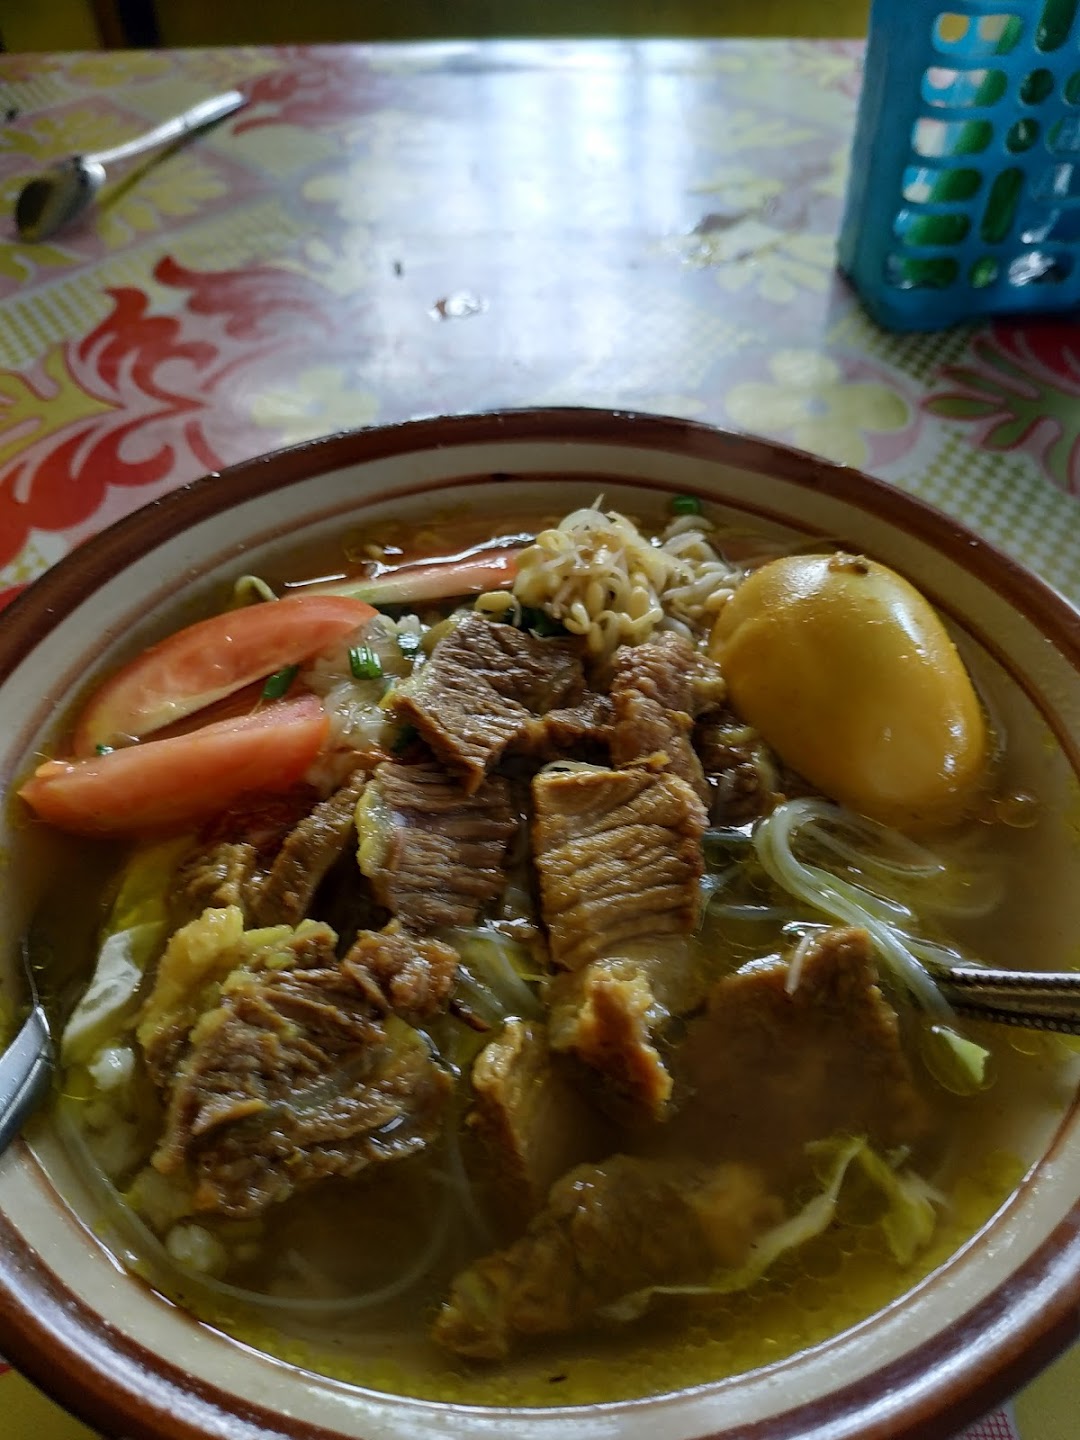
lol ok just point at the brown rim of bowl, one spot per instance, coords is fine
(111, 1381)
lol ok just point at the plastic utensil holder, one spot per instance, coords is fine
(964, 195)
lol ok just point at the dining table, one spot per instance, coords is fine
(391, 231)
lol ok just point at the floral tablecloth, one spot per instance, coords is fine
(390, 232)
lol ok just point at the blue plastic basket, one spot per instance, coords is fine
(964, 197)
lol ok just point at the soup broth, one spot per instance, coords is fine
(537, 1034)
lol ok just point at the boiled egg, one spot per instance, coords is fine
(849, 675)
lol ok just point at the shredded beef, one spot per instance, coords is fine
(411, 975)
(614, 1015)
(236, 851)
(608, 1231)
(781, 1059)
(586, 724)
(619, 857)
(656, 690)
(440, 850)
(668, 670)
(740, 769)
(213, 878)
(291, 1078)
(484, 689)
(535, 1122)
(284, 895)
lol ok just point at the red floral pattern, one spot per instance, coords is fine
(157, 385)
(360, 187)
(1021, 390)
(312, 87)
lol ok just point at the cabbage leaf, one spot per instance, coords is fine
(907, 1222)
(130, 940)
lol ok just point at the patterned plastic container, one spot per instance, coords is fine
(964, 197)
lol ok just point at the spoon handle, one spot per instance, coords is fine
(205, 113)
(26, 1070)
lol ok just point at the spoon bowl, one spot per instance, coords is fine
(56, 199)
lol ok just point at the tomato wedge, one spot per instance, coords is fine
(166, 784)
(439, 577)
(209, 660)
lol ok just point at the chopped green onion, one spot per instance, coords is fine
(104, 749)
(364, 663)
(540, 622)
(406, 735)
(278, 683)
(409, 643)
(686, 505)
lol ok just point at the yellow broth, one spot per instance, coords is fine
(353, 1237)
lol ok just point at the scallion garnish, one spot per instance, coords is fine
(540, 622)
(278, 683)
(104, 749)
(364, 663)
(409, 643)
(686, 505)
(405, 737)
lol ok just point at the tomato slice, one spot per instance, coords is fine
(440, 577)
(168, 784)
(209, 660)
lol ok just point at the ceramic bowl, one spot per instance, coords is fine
(106, 1346)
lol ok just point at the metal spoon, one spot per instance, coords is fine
(1036, 1000)
(27, 1066)
(51, 201)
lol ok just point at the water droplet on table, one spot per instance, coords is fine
(458, 306)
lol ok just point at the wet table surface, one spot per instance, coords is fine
(389, 232)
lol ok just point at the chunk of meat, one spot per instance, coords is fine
(613, 1014)
(619, 857)
(608, 1231)
(284, 895)
(484, 689)
(291, 1078)
(435, 854)
(644, 731)
(408, 974)
(213, 878)
(234, 851)
(613, 1031)
(740, 769)
(533, 1119)
(670, 671)
(783, 1057)
(199, 957)
(586, 724)
(656, 690)
(262, 820)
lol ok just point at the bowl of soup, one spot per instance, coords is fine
(497, 882)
